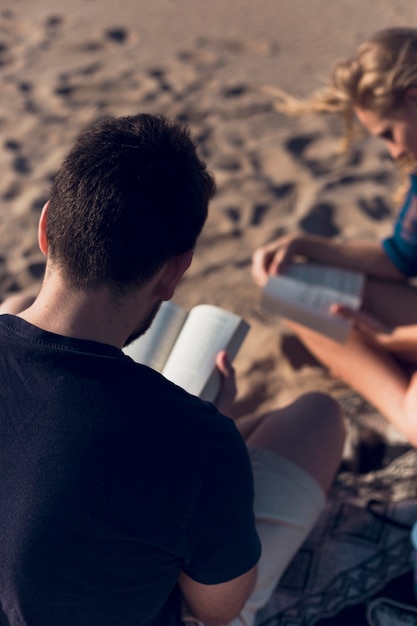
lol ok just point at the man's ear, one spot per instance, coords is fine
(411, 96)
(43, 242)
(172, 273)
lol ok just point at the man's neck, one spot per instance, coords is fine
(94, 315)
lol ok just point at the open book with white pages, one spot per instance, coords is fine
(304, 293)
(183, 345)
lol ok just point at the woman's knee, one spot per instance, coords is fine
(323, 413)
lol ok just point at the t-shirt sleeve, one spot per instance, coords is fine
(222, 539)
(401, 246)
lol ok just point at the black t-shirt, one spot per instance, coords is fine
(112, 481)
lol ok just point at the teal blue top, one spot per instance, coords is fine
(401, 246)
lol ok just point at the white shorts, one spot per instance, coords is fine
(284, 493)
(287, 504)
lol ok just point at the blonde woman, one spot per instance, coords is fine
(377, 87)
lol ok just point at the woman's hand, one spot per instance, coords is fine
(401, 339)
(273, 257)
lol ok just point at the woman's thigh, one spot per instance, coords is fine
(392, 302)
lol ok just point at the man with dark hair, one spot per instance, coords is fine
(121, 495)
(146, 193)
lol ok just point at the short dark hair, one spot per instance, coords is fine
(131, 194)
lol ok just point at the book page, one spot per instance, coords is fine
(347, 285)
(308, 303)
(207, 331)
(154, 346)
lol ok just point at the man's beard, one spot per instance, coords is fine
(144, 325)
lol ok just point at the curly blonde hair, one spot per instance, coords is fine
(375, 78)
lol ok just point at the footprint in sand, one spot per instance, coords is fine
(89, 70)
(38, 204)
(53, 21)
(12, 192)
(233, 213)
(25, 87)
(8, 286)
(117, 35)
(228, 163)
(259, 212)
(298, 145)
(12, 144)
(381, 178)
(319, 220)
(204, 140)
(52, 30)
(21, 165)
(376, 208)
(234, 91)
(301, 146)
(160, 76)
(36, 270)
(283, 191)
(6, 56)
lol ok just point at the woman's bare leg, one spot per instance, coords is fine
(375, 374)
(393, 302)
(310, 432)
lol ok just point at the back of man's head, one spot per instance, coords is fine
(131, 194)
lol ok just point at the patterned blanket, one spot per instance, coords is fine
(346, 570)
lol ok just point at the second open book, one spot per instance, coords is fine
(183, 346)
(304, 292)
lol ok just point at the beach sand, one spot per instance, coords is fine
(207, 63)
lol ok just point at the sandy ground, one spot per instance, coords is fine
(63, 65)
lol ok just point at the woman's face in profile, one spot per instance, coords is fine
(397, 129)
